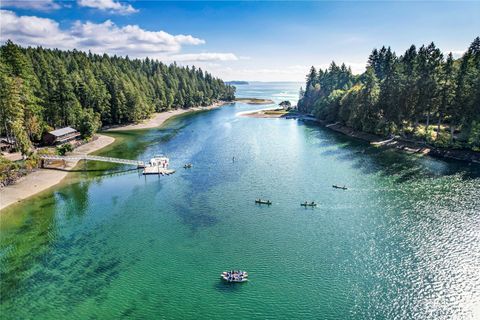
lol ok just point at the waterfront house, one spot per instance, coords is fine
(60, 136)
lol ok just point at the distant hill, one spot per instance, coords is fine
(237, 82)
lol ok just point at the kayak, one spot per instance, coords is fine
(308, 204)
(338, 187)
(260, 201)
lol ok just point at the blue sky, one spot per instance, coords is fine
(266, 41)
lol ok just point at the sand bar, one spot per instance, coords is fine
(255, 101)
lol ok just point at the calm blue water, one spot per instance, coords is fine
(401, 243)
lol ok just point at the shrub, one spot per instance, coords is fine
(9, 171)
(64, 148)
(474, 137)
(442, 140)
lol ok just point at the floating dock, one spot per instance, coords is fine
(158, 170)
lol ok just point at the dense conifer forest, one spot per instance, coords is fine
(41, 89)
(422, 94)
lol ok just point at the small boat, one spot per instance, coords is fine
(339, 187)
(188, 166)
(227, 279)
(234, 276)
(159, 161)
(307, 204)
(260, 201)
(239, 272)
(158, 165)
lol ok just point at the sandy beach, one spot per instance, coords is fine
(42, 179)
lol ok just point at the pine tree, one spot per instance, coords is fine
(429, 62)
(395, 93)
(447, 84)
(408, 100)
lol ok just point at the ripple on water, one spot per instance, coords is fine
(400, 243)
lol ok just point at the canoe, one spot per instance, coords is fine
(263, 202)
(338, 187)
(308, 204)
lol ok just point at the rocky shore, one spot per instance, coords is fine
(402, 144)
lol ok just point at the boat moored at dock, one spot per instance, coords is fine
(159, 161)
(158, 165)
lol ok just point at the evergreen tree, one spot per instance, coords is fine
(54, 88)
(395, 94)
(447, 85)
(429, 62)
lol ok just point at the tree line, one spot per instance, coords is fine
(422, 94)
(42, 89)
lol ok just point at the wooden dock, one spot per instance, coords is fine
(158, 170)
(139, 164)
(85, 157)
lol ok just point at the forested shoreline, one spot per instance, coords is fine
(422, 94)
(42, 89)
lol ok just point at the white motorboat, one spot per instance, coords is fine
(234, 276)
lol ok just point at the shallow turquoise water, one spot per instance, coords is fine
(402, 242)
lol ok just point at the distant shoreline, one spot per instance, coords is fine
(43, 179)
(237, 82)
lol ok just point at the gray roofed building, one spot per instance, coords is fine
(62, 131)
(60, 136)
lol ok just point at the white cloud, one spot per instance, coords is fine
(130, 39)
(41, 5)
(357, 67)
(295, 72)
(31, 30)
(456, 53)
(210, 56)
(101, 38)
(287, 73)
(104, 37)
(108, 5)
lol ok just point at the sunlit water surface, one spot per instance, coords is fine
(403, 242)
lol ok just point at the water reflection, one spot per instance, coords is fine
(388, 162)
